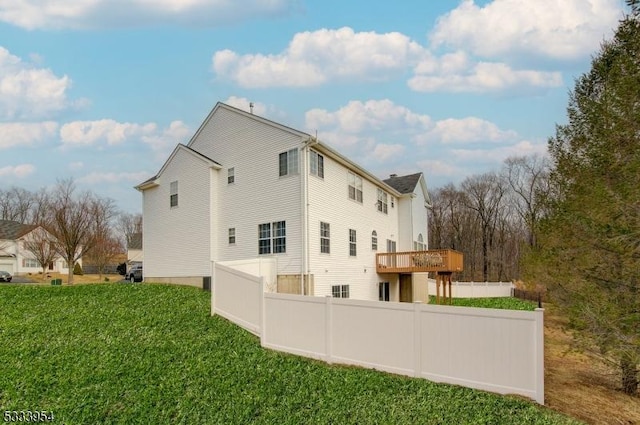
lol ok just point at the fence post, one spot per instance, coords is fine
(213, 288)
(328, 328)
(263, 312)
(539, 314)
(417, 340)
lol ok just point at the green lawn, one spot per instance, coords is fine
(506, 303)
(151, 354)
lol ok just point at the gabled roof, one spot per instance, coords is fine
(404, 184)
(408, 184)
(152, 182)
(12, 230)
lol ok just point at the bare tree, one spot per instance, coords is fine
(128, 226)
(528, 178)
(105, 246)
(484, 194)
(42, 245)
(70, 221)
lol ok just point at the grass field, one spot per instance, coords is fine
(152, 354)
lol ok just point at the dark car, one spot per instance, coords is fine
(134, 274)
(5, 276)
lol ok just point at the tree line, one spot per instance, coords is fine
(72, 224)
(492, 218)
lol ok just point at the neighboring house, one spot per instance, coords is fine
(15, 257)
(246, 187)
(134, 250)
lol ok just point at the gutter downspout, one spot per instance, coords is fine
(304, 275)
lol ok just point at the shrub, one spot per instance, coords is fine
(77, 269)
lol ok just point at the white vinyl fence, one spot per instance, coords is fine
(475, 289)
(495, 350)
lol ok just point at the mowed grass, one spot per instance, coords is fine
(504, 303)
(152, 354)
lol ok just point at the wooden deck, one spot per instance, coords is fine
(433, 260)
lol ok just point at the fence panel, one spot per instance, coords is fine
(493, 350)
(296, 324)
(237, 296)
(373, 334)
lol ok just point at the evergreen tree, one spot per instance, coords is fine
(589, 251)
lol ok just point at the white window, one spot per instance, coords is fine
(316, 164)
(30, 262)
(355, 187)
(382, 201)
(231, 175)
(419, 245)
(374, 241)
(289, 162)
(173, 194)
(325, 235)
(272, 237)
(352, 243)
(340, 291)
(383, 291)
(391, 246)
(232, 235)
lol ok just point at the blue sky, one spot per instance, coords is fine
(103, 90)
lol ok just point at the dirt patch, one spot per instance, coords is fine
(579, 386)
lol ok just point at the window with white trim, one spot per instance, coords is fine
(231, 175)
(232, 235)
(272, 238)
(316, 164)
(352, 243)
(30, 262)
(340, 291)
(355, 187)
(419, 245)
(173, 194)
(382, 201)
(374, 241)
(325, 235)
(288, 162)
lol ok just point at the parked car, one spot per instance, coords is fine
(5, 276)
(134, 274)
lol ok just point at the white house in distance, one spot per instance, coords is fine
(15, 258)
(245, 187)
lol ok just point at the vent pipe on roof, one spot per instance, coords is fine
(251, 107)
(393, 175)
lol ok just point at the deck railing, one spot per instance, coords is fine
(433, 260)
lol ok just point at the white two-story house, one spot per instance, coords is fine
(16, 240)
(246, 187)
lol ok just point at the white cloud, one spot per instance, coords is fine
(458, 73)
(498, 154)
(28, 91)
(84, 14)
(244, 104)
(385, 152)
(566, 29)
(465, 130)
(21, 134)
(439, 167)
(163, 143)
(372, 115)
(85, 133)
(312, 58)
(20, 171)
